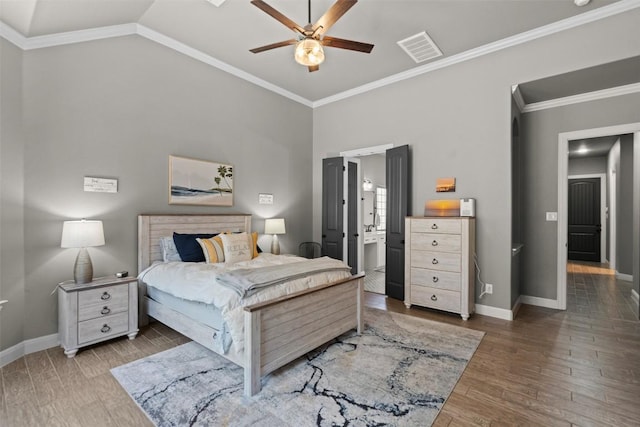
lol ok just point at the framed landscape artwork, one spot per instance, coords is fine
(200, 182)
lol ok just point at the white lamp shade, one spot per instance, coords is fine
(82, 234)
(274, 226)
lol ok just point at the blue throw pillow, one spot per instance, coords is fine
(188, 247)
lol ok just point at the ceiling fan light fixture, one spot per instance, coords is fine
(309, 52)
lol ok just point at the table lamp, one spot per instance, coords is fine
(82, 234)
(274, 226)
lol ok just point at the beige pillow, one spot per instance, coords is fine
(237, 247)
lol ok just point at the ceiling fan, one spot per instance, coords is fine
(312, 37)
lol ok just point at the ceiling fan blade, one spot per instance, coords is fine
(334, 13)
(273, 46)
(346, 44)
(313, 68)
(277, 15)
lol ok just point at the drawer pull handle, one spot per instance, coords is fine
(105, 328)
(434, 243)
(434, 261)
(435, 279)
(434, 298)
(105, 310)
(105, 296)
(434, 226)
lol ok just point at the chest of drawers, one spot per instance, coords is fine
(93, 312)
(439, 263)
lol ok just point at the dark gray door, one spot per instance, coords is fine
(332, 207)
(398, 207)
(584, 219)
(352, 221)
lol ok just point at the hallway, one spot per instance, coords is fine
(594, 291)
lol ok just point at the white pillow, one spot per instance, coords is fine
(237, 247)
(169, 250)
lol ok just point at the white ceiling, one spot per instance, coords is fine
(226, 33)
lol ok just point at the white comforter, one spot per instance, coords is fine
(197, 282)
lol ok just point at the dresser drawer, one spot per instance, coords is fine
(436, 242)
(435, 279)
(437, 225)
(441, 261)
(99, 329)
(100, 302)
(440, 299)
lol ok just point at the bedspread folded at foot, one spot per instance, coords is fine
(247, 281)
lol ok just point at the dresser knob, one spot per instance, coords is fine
(105, 310)
(434, 298)
(434, 261)
(435, 279)
(105, 296)
(434, 226)
(434, 243)
(106, 328)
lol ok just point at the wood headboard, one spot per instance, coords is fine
(152, 227)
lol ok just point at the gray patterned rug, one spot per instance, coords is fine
(400, 371)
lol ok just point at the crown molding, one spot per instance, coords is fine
(517, 97)
(198, 55)
(11, 35)
(37, 42)
(583, 97)
(546, 30)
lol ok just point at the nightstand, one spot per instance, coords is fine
(92, 312)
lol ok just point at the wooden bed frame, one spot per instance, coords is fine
(275, 332)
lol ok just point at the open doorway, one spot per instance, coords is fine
(598, 245)
(372, 161)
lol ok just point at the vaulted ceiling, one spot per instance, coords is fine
(222, 35)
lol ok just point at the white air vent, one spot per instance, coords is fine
(420, 47)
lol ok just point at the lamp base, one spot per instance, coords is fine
(83, 269)
(275, 245)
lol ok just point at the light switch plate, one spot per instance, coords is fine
(552, 216)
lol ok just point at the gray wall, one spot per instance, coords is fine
(624, 239)
(12, 252)
(541, 180)
(118, 108)
(457, 122)
(587, 165)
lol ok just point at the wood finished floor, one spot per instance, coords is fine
(549, 368)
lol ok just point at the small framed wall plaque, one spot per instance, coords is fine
(100, 185)
(265, 199)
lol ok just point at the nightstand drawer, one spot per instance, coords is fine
(435, 298)
(441, 261)
(437, 225)
(100, 302)
(435, 279)
(436, 242)
(99, 329)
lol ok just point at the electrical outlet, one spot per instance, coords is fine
(489, 288)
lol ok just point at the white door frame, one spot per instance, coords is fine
(353, 156)
(563, 166)
(603, 209)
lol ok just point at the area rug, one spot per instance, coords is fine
(400, 371)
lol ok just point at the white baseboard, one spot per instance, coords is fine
(635, 296)
(27, 347)
(540, 302)
(500, 313)
(625, 277)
